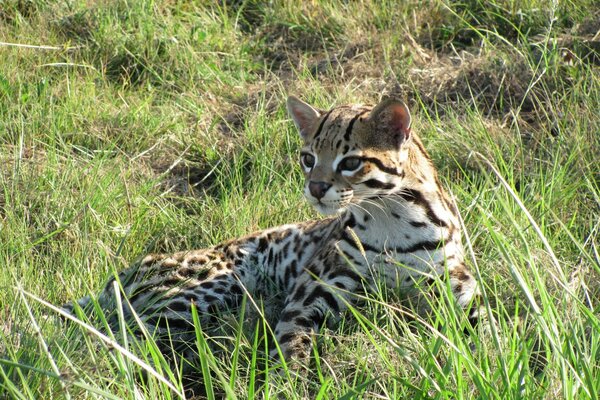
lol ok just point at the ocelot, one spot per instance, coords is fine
(389, 222)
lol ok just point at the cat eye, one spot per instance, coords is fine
(349, 164)
(308, 160)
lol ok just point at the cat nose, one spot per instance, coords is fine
(318, 189)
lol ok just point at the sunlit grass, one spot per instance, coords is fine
(151, 127)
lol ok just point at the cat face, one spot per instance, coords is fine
(351, 153)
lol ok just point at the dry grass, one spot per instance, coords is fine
(151, 126)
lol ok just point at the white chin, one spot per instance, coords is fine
(327, 210)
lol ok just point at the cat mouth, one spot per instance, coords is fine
(327, 208)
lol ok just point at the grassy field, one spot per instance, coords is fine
(129, 127)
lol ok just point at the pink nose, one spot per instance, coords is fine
(318, 189)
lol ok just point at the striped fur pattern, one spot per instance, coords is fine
(388, 220)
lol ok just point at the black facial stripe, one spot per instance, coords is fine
(418, 198)
(321, 124)
(381, 166)
(375, 184)
(351, 124)
(336, 145)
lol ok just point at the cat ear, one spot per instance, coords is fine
(303, 114)
(392, 117)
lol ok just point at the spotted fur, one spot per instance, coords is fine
(390, 220)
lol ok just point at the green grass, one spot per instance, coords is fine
(157, 126)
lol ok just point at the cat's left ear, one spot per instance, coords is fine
(392, 116)
(303, 114)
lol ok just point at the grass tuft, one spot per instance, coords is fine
(129, 127)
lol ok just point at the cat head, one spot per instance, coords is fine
(351, 154)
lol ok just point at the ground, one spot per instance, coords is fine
(129, 127)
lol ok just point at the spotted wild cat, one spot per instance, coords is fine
(389, 220)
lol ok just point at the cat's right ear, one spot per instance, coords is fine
(303, 114)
